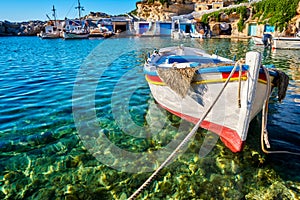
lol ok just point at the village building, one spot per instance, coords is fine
(201, 5)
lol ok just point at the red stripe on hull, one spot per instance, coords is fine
(154, 78)
(225, 75)
(262, 76)
(229, 137)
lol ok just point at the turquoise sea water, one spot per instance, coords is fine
(77, 121)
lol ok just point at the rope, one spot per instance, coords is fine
(264, 132)
(240, 85)
(186, 139)
(70, 8)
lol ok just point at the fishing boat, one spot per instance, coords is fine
(100, 31)
(257, 40)
(265, 40)
(179, 34)
(197, 35)
(76, 29)
(286, 43)
(279, 42)
(190, 83)
(51, 29)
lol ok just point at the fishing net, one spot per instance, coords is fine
(179, 79)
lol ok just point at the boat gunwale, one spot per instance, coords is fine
(216, 69)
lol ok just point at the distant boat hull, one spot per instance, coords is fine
(104, 35)
(197, 35)
(70, 35)
(286, 43)
(280, 42)
(50, 35)
(257, 40)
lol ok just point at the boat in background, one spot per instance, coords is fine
(277, 42)
(286, 42)
(266, 40)
(197, 35)
(100, 31)
(202, 34)
(179, 34)
(185, 81)
(257, 40)
(76, 29)
(51, 30)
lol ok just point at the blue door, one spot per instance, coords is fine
(252, 29)
(182, 27)
(165, 28)
(144, 27)
(269, 28)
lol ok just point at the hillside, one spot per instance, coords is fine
(274, 12)
(163, 10)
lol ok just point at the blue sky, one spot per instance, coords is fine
(24, 10)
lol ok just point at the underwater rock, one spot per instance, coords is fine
(71, 197)
(69, 189)
(276, 191)
(44, 193)
(123, 196)
(2, 195)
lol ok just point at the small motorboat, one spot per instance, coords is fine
(188, 82)
(280, 42)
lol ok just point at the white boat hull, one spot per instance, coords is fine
(197, 35)
(50, 35)
(286, 43)
(257, 40)
(226, 119)
(75, 35)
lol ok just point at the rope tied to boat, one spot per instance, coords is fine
(264, 139)
(240, 63)
(185, 140)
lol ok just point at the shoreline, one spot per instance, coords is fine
(145, 36)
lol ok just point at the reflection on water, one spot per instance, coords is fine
(42, 155)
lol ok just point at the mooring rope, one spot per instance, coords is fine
(185, 140)
(264, 132)
(240, 85)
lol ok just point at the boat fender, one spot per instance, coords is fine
(281, 82)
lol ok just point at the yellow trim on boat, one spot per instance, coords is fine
(264, 82)
(206, 81)
(154, 82)
(218, 80)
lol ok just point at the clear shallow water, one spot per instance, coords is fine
(51, 87)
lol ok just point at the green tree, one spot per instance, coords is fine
(275, 12)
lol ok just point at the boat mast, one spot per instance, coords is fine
(54, 13)
(80, 8)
